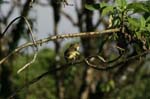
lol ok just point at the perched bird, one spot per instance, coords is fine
(72, 52)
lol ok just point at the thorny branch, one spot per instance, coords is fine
(51, 71)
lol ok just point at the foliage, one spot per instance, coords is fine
(123, 15)
(133, 20)
(137, 89)
(43, 88)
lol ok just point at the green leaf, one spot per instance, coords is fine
(134, 24)
(112, 83)
(92, 6)
(116, 22)
(138, 7)
(103, 4)
(106, 10)
(146, 4)
(148, 20)
(107, 88)
(138, 34)
(121, 4)
(148, 28)
(142, 23)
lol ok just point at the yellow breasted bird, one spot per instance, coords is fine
(72, 52)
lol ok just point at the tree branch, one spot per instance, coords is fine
(28, 64)
(52, 71)
(52, 38)
(78, 62)
(69, 18)
(116, 64)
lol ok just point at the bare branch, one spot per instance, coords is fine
(35, 55)
(51, 71)
(69, 18)
(76, 7)
(9, 13)
(1, 36)
(31, 32)
(101, 59)
(52, 38)
(28, 64)
(116, 64)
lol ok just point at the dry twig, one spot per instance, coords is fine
(52, 38)
(33, 40)
(52, 71)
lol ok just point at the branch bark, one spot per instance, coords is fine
(56, 37)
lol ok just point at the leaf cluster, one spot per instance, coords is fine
(132, 18)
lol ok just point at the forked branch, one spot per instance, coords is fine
(52, 71)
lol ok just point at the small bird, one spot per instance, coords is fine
(72, 52)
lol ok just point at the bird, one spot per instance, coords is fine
(72, 52)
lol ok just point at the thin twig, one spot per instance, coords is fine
(27, 22)
(31, 32)
(116, 64)
(76, 7)
(51, 71)
(69, 18)
(52, 38)
(1, 35)
(28, 64)
(72, 64)
(36, 50)
(33, 40)
(101, 59)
